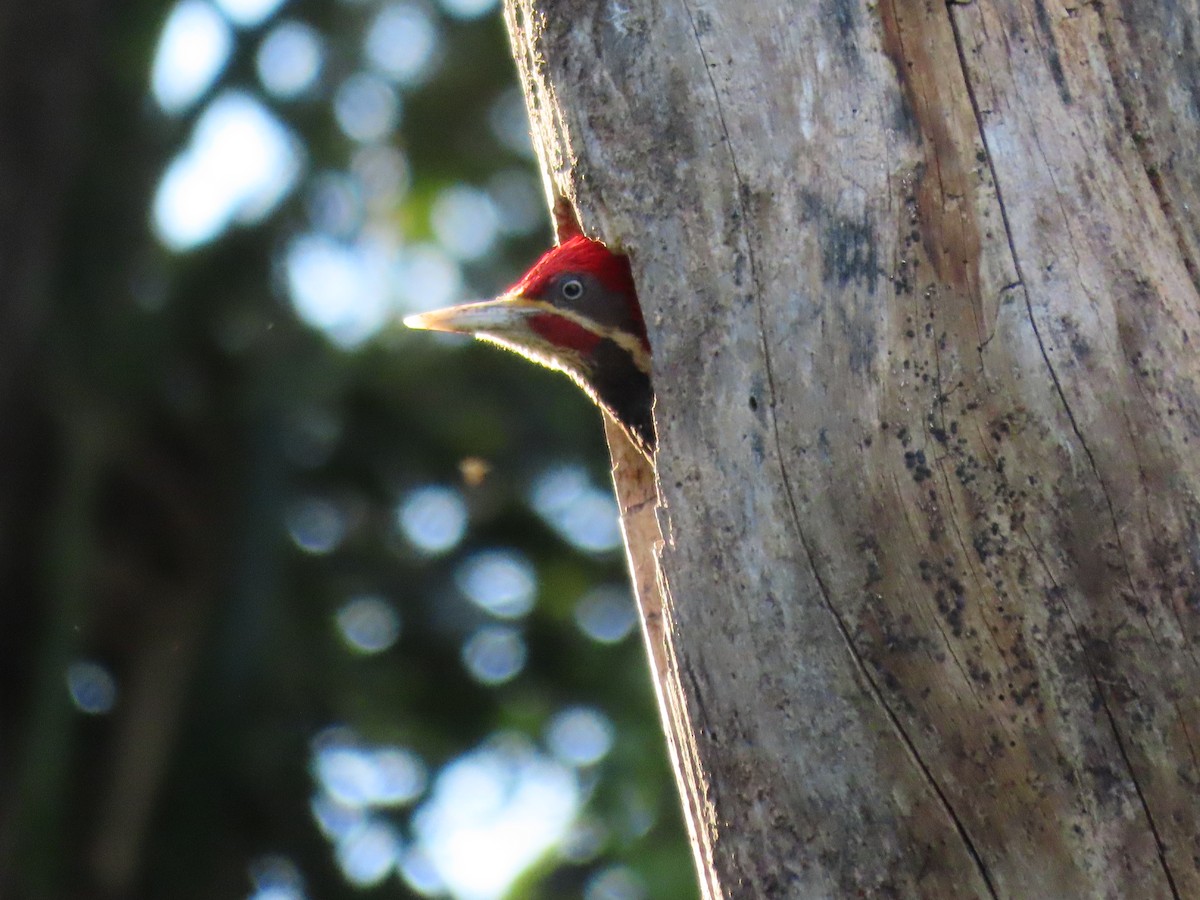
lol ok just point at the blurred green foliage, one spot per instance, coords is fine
(169, 429)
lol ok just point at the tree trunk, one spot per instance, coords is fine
(921, 282)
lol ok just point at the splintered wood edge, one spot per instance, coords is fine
(637, 497)
(634, 480)
(633, 475)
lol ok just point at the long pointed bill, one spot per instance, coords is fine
(502, 317)
(567, 341)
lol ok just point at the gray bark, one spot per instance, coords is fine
(921, 283)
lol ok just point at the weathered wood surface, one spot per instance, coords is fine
(922, 286)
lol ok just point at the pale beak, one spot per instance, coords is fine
(500, 317)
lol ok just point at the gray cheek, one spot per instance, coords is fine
(597, 303)
(603, 307)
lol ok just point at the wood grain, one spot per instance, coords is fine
(921, 283)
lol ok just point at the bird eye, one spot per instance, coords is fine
(572, 289)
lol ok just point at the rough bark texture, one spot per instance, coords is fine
(921, 282)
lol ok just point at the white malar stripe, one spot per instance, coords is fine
(623, 339)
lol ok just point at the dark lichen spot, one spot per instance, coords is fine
(1052, 57)
(840, 18)
(874, 573)
(981, 544)
(914, 461)
(849, 252)
(757, 447)
(904, 120)
(951, 605)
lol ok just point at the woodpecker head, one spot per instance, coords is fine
(575, 310)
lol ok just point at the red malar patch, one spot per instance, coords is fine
(562, 332)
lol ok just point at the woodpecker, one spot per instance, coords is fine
(575, 310)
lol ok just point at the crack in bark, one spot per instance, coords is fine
(915, 534)
(1154, 178)
(1187, 736)
(827, 601)
(1142, 148)
(1151, 824)
(1067, 219)
(1112, 724)
(1152, 529)
(984, 589)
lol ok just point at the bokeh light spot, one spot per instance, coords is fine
(584, 840)
(289, 59)
(340, 288)
(493, 813)
(465, 222)
(419, 872)
(615, 883)
(494, 654)
(402, 777)
(580, 736)
(606, 614)
(277, 892)
(316, 525)
(335, 204)
(401, 43)
(429, 279)
(433, 519)
(558, 487)
(520, 206)
(510, 123)
(276, 878)
(248, 13)
(92, 687)
(468, 9)
(335, 818)
(502, 582)
(583, 515)
(638, 812)
(238, 165)
(383, 173)
(366, 107)
(368, 854)
(369, 624)
(357, 777)
(347, 775)
(192, 50)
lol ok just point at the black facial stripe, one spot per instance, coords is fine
(624, 390)
(598, 303)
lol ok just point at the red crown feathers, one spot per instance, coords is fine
(582, 254)
(579, 254)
